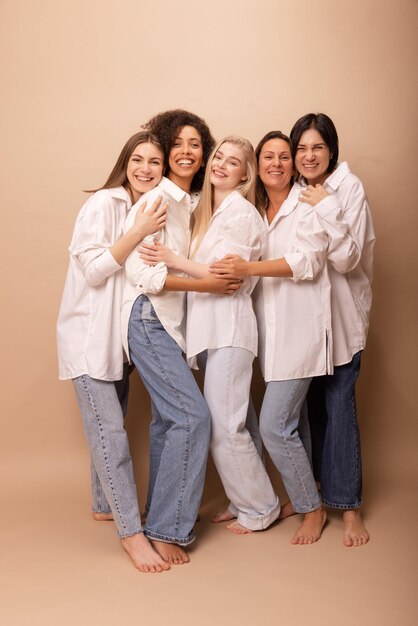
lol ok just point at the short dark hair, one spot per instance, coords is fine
(325, 127)
(261, 197)
(168, 124)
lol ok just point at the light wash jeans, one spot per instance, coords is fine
(279, 426)
(228, 373)
(180, 429)
(113, 485)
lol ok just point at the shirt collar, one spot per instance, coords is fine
(288, 205)
(120, 193)
(172, 189)
(234, 195)
(336, 178)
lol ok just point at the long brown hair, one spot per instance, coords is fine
(117, 177)
(261, 197)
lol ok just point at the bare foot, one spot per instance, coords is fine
(354, 532)
(237, 528)
(102, 517)
(143, 555)
(171, 552)
(286, 510)
(311, 528)
(224, 516)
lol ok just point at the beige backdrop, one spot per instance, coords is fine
(79, 77)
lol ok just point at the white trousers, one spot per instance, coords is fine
(228, 373)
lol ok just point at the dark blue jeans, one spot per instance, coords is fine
(335, 436)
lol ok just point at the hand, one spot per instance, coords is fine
(148, 222)
(231, 266)
(153, 253)
(313, 195)
(221, 286)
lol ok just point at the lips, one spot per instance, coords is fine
(185, 162)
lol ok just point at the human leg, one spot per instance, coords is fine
(317, 416)
(226, 388)
(100, 506)
(103, 423)
(279, 422)
(341, 472)
(178, 484)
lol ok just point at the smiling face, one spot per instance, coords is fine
(144, 170)
(312, 157)
(228, 167)
(275, 164)
(185, 157)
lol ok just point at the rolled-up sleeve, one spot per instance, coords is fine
(307, 255)
(344, 250)
(93, 236)
(146, 278)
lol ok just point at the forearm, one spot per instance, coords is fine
(275, 268)
(195, 270)
(124, 246)
(182, 283)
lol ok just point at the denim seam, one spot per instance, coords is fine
(85, 381)
(181, 405)
(311, 505)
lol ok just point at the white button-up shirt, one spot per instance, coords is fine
(351, 287)
(215, 321)
(294, 314)
(149, 280)
(88, 328)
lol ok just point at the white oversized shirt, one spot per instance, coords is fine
(215, 321)
(294, 314)
(351, 287)
(88, 328)
(149, 280)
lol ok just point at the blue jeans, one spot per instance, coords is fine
(180, 429)
(113, 484)
(335, 436)
(279, 426)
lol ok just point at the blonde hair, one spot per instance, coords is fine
(203, 212)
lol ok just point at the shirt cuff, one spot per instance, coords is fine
(298, 265)
(328, 206)
(101, 268)
(152, 279)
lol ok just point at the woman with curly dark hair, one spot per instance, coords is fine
(153, 327)
(174, 130)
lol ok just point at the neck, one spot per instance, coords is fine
(219, 196)
(183, 183)
(277, 197)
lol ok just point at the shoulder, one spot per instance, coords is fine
(104, 199)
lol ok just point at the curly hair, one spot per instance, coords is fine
(167, 125)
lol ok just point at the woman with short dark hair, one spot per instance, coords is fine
(338, 198)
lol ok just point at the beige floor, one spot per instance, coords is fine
(59, 567)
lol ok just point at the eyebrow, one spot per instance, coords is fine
(318, 143)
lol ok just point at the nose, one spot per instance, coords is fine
(309, 155)
(276, 161)
(146, 167)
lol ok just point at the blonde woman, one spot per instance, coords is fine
(222, 331)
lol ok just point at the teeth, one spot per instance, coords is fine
(143, 180)
(185, 162)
